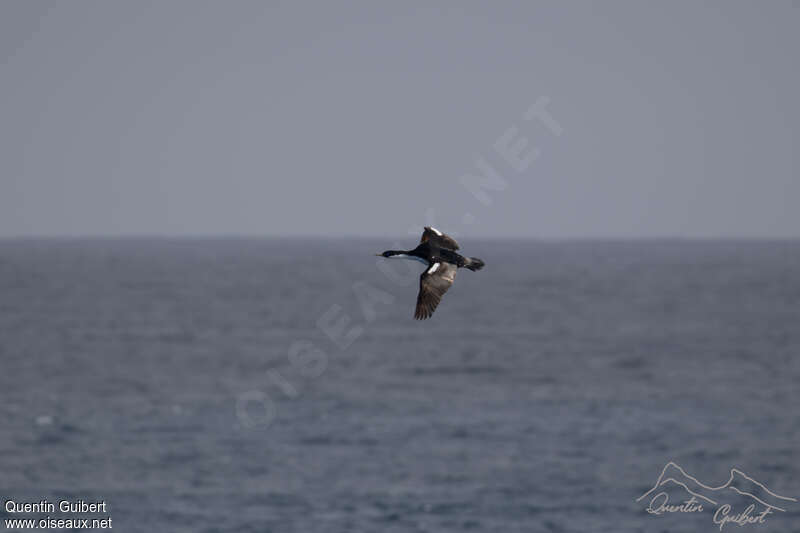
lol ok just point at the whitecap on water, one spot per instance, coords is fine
(44, 420)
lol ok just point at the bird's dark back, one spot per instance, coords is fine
(432, 253)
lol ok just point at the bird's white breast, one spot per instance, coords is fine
(412, 257)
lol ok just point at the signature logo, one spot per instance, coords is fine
(741, 500)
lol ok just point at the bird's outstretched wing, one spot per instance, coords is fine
(438, 238)
(433, 283)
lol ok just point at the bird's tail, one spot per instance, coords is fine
(473, 263)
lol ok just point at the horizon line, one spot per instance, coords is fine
(390, 236)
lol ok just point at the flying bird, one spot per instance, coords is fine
(438, 251)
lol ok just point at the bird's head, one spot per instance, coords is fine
(389, 253)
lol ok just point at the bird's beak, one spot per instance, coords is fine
(379, 255)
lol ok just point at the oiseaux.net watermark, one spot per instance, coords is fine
(512, 153)
(61, 514)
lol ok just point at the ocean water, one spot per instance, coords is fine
(201, 385)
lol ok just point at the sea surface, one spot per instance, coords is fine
(276, 385)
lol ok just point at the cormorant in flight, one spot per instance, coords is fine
(438, 251)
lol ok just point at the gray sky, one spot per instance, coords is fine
(677, 118)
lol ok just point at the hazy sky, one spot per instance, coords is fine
(675, 118)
